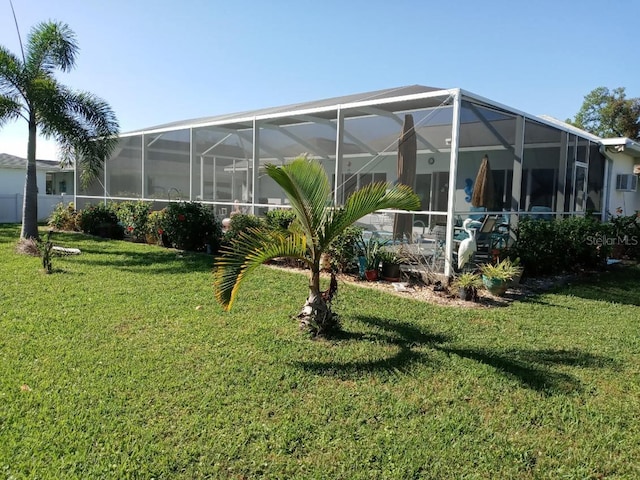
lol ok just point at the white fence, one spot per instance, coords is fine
(11, 206)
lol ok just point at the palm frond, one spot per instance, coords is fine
(368, 199)
(83, 124)
(51, 45)
(250, 250)
(9, 109)
(10, 70)
(307, 187)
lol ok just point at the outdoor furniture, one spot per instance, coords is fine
(540, 208)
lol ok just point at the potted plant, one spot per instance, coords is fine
(391, 261)
(369, 252)
(467, 285)
(496, 277)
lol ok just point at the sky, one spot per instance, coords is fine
(158, 61)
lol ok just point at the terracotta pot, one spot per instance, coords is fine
(371, 275)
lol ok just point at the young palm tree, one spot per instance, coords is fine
(317, 224)
(83, 125)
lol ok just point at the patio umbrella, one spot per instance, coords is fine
(407, 154)
(484, 194)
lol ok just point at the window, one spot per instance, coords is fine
(626, 183)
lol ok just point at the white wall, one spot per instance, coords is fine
(11, 206)
(12, 190)
(625, 202)
(12, 181)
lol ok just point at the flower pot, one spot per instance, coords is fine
(496, 286)
(465, 293)
(515, 281)
(390, 272)
(371, 275)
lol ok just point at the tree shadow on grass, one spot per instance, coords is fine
(158, 262)
(533, 369)
(618, 285)
(408, 340)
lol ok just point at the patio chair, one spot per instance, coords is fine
(541, 208)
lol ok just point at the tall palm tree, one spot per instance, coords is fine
(84, 125)
(317, 224)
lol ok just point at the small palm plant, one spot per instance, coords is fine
(316, 226)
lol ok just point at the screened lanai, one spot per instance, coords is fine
(538, 167)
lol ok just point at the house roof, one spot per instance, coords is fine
(12, 161)
(623, 144)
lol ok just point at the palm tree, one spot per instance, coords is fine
(317, 224)
(84, 125)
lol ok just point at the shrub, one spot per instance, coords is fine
(241, 222)
(624, 236)
(156, 227)
(192, 226)
(279, 219)
(64, 217)
(133, 216)
(549, 247)
(344, 250)
(580, 242)
(100, 220)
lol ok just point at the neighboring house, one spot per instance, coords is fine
(624, 155)
(55, 185)
(539, 166)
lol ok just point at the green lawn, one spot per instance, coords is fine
(127, 379)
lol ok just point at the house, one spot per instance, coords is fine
(539, 166)
(55, 185)
(624, 155)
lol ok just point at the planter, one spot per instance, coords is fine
(496, 286)
(390, 272)
(515, 281)
(371, 275)
(465, 293)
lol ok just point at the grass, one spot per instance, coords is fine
(121, 365)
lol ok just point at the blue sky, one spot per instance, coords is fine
(160, 61)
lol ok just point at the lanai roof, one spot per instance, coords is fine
(297, 107)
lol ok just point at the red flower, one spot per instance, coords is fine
(181, 218)
(160, 231)
(130, 228)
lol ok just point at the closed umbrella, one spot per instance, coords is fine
(484, 194)
(407, 154)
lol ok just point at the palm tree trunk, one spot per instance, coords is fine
(30, 205)
(316, 315)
